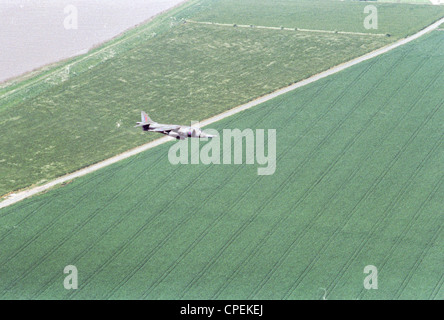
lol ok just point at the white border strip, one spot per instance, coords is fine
(16, 197)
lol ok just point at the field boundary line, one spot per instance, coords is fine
(232, 25)
(16, 197)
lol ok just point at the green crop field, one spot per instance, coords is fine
(358, 181)
(407, 1)
(82, 110)
(399, 20)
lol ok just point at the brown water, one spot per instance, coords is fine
(33, 33)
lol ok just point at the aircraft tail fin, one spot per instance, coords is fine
(146, 118)
(146, 121)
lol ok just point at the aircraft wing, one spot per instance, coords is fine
(165, 128)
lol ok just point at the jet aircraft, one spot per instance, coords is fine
(172, 130)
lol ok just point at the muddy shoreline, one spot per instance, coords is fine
(34, 36)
